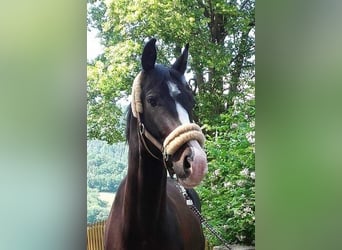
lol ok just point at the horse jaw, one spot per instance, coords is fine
(198, 166)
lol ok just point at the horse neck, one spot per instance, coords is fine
(145, 186)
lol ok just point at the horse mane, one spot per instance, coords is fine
(129, 117)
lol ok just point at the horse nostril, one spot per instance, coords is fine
(187, 162)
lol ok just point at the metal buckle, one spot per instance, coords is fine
(141, 128)
(166, 157)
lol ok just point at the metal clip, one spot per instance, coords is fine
(166, 157)
(141, 128)
(189, 202)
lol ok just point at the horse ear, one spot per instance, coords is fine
(149, 55)
(182, 61)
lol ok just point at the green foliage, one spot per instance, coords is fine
(221, 68)
(221, 38)
(107, 165)
(104, 114)
(228, 191)
(97, 210)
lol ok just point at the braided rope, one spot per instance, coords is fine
(136, 106)
(181, 135)
(180, 130)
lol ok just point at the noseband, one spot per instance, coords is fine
(178, 137)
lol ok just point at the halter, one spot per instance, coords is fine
(178, 137)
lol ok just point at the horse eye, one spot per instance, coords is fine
(152, 101)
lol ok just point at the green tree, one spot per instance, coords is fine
(106, 165)
(228, 191)
(221, 37)
(96, 209)
(221, 72)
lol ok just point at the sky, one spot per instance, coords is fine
(94, 47)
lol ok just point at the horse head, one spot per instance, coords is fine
(163, 103)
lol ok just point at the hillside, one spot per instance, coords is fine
(106, 167)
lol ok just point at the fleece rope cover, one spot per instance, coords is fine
(180, 136)
(137, 106)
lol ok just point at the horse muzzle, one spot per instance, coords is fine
(191, 165)
(189, 160)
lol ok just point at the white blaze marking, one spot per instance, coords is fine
(183, 116)
(174, 91)
(183, 80)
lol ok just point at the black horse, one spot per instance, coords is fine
(149, 211)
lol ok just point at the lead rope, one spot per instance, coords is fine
(203, 221)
